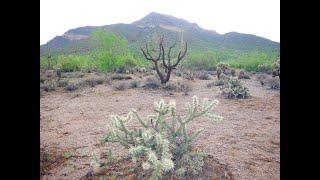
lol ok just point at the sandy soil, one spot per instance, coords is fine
(248, 139)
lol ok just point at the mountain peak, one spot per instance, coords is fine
(157, 19)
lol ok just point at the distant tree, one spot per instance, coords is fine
(166, 63)
(111, 50)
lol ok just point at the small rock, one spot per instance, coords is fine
(275, 142)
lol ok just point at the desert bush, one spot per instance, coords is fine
(212, 73)
(49, 73)
(152, 83)
(273, 83)
(62, 83)
(243, 75)
(120, 70)
(77, 74)
(261, 76)
(201, 60)
(100, 80)
(134, 84)
(180, 86)
(203, 76)
(93, 80)
(185, 88)
(120, 86)
(235, 89)
(233, 72)
(42, 79)
(74, 84)
(170, 86)
(219, 72)
(120, 77)
(210, 85)
(164, 143)
(219, 82)
(148, 74)
(178, 73)
(49, 85)
(189, 75)
(58, 72)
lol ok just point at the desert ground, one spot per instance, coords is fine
(247, 139)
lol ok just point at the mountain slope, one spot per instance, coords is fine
(76, 40)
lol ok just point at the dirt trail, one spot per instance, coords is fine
(248, 139)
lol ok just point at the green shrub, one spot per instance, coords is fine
(264, 68)
(164, 146)
(71, 63)
(251, 61)
(200, 60)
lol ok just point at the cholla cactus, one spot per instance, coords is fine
(161, 143)
(276, 68)
(235, 89)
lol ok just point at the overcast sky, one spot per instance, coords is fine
(258, 17)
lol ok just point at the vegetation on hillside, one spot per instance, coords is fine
(110, 52)
(107, 48)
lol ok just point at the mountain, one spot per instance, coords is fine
(199, 39)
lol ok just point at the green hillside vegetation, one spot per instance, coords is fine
(108, 53)
(110, 47)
